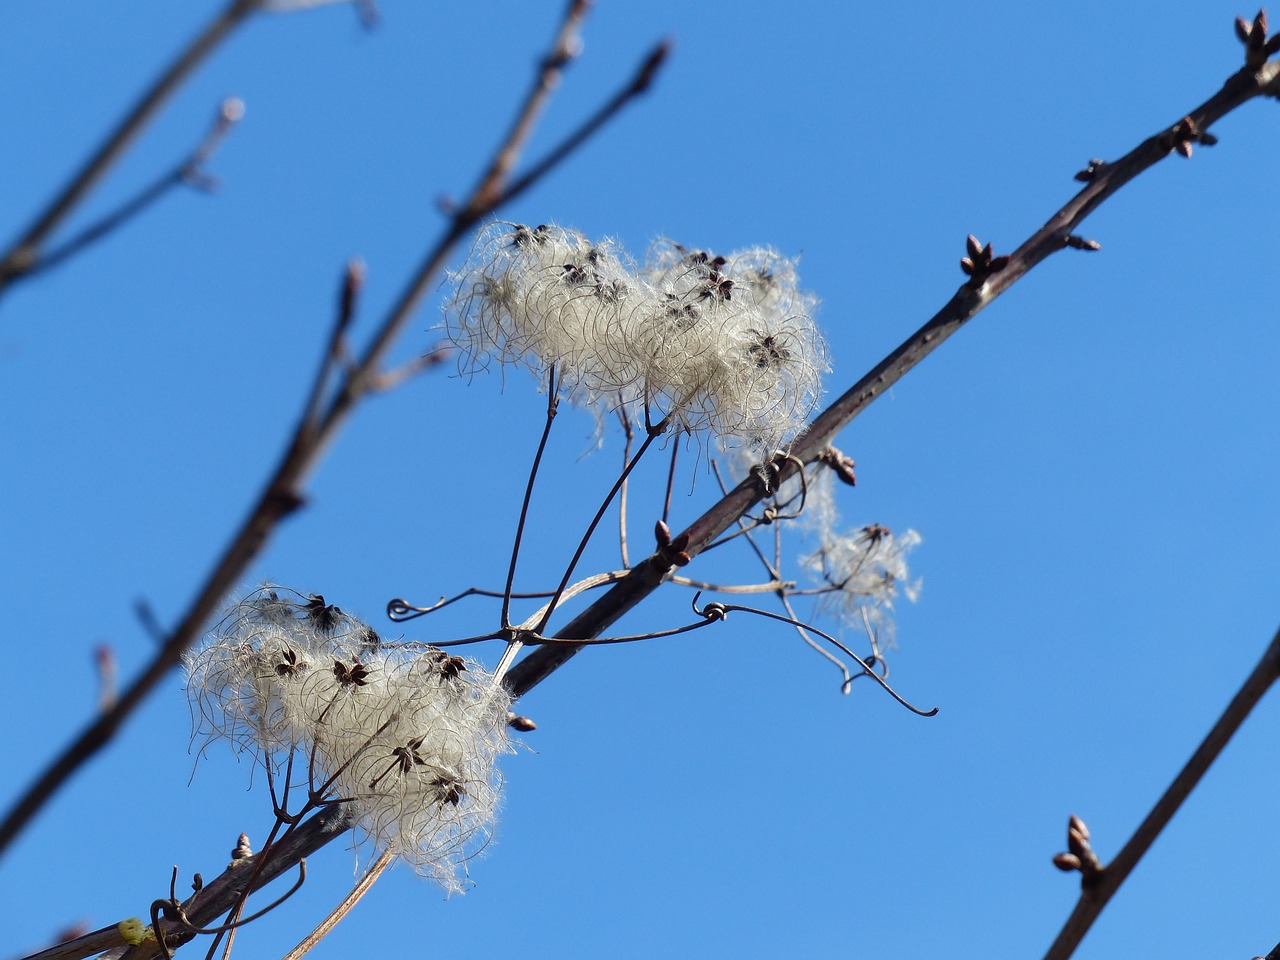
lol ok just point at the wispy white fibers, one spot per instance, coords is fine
(407, 736)
(722, 344)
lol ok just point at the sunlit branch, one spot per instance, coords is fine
(773, 586)
(629, 436)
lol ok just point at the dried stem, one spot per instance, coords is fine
(365, 883)
(629, 436)
(553, 400)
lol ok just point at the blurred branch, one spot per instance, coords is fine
(188, 172)
(1097, 887)
(24, 256)
(989, 276)
(281, 495)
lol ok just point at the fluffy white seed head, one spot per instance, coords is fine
(723, 344)
(866, 571)
(406, 735)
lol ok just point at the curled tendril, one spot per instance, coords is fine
(712, 611)
(172, 910)
(400, 611)
(719, 611)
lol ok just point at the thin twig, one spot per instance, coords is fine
(25, 254)
(1095, 894)
(629, 436)
(653, 433)
(773, 586)
(671, 481)
(553, 401)
(727, 608)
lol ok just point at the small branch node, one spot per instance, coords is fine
(1080, 243)
(1080, 856)
(981, 262)
(1257, 48)
(673, 551)
(108, 676)
(242, 850)
(1094, 168)
(1184, 134)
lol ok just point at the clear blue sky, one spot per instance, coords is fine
(1091, 463)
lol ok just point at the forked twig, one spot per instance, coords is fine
(188, 172)
(24, 255)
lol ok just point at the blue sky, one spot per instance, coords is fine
(1091, 463)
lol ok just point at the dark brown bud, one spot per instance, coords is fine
(523, 724)
(662, 533)
(974, 246)
(841, 464)
(1066, 862)
(1077, 844)
(1078, 825)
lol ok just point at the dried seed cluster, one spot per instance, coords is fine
(866, 571)
(406, 735)
(725, 344)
